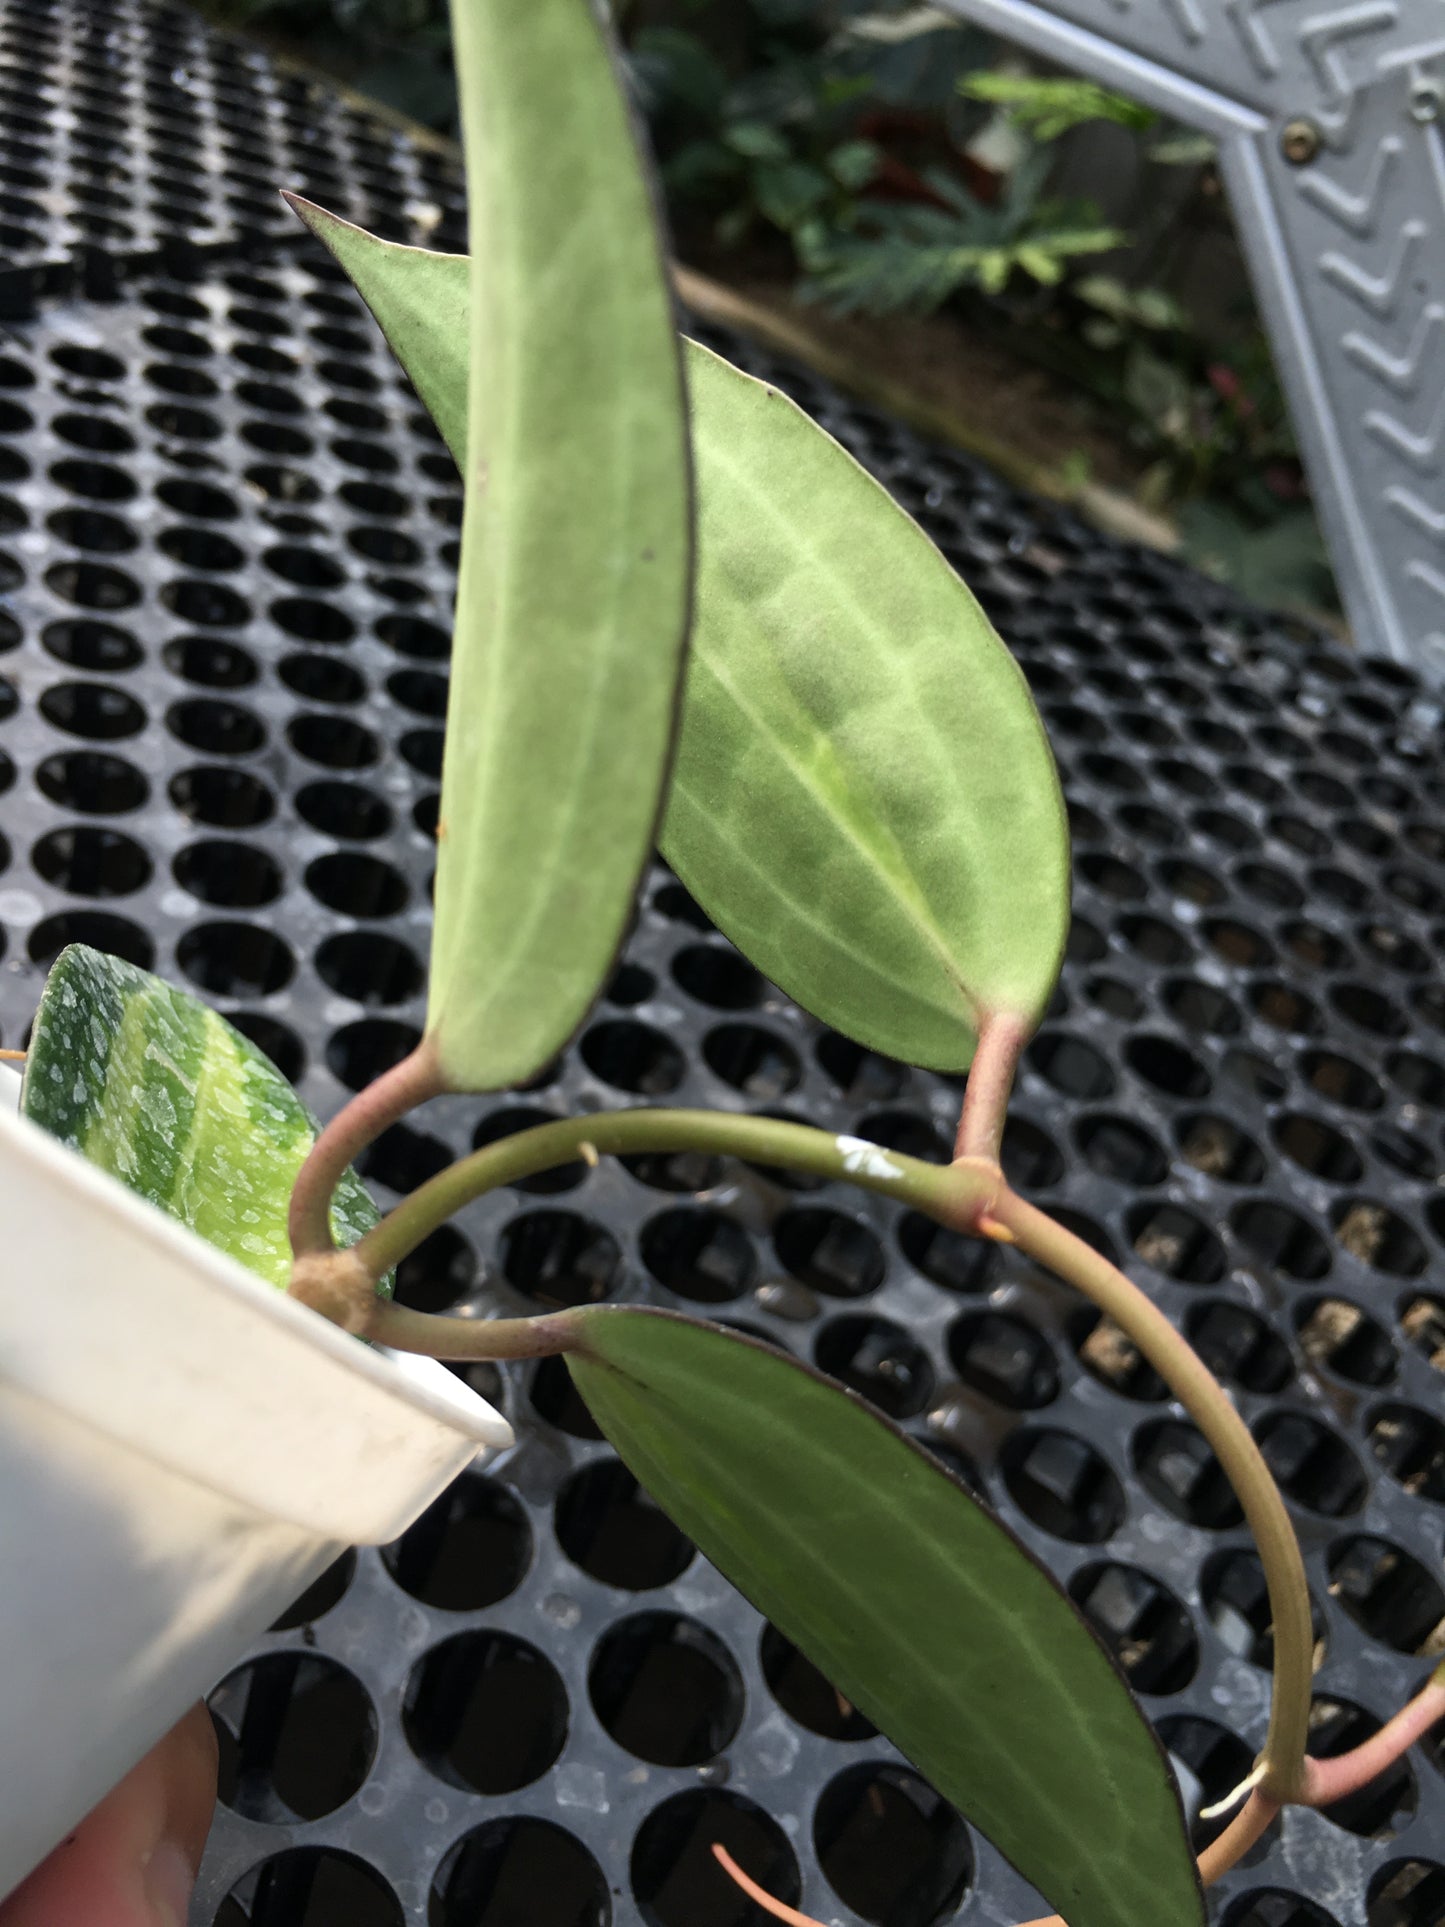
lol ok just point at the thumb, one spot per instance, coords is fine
(132, 1861)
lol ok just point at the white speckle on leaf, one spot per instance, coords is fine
(867, 1160)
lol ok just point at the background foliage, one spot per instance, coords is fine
(881, 156)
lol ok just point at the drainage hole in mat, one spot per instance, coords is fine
(1005, 1359)
(92, 585)
(209, 661)
(684, 1171)
(1141, 1622)
(890, 1848)
(117, 936)
(355, 885)
(1108, 1354)
(94, 481)
(403, 1159)
(422, 690)
(557, 1259)
(485, 1711)
(1281, 1239)
(92, 709)
(1218, 1761)
(1408, 1893)
(832, 1253)
(1071, 1066)
(879, 1361)
(1176, 1464)
(336, 742)
(360, 1052)
(1336, 1336)
(1378, 1811)
(1239, 1346)
(469, 1549)
(1028, 1156)
(1420, 1078)
(84, 642)
(864, 1075)
(516, 1118)
(1368, 1010)
(805, 1695)
(368, 967)
(1062, 1484)
(310, 1887)
(215, 727)
(321, 679)
(319, 1597)
(752, 1060)
(1175, 1242)
(667, 1689)
(1167, 1066)
(1118, 1148)
(1389, 1594)
(612, 1529)
(1200, 1007)
(221, 798)
(235, 959)
(717, 976)
(946, 1258)
(441, 1270)
(1317, 1147)
(1402, 1151)
(411, 636)
(1410, 1445)
(233, 876)
(200, 549)
(91, 862)
(311, 621)
(633, 1057)
(556, 1400)
(518, 1869)
(1313, 1466)
(699, 1254)
(1218, 1148)
(677, 1882)
(297, 1734)
(1378, 1238)
(343, 810)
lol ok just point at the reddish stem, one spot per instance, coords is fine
(359, 1123)
(1002, 1035)
(1329, 1780)
(760, 1895)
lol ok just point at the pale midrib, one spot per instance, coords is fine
(828, 571)
(514, 956)
(931, 934)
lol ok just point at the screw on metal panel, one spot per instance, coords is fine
(1300, 142)
(1427, 99)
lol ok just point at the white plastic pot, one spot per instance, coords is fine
(182, 1451)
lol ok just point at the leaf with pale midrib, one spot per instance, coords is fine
(913, 1600)
(863, 797)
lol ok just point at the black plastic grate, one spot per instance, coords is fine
(227, 541)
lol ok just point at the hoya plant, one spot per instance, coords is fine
(686, 616)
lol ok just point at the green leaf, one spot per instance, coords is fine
(911, 1598)
(152, 1086)
(575, 588)
(863, 796)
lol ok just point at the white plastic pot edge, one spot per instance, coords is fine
(124, 1319)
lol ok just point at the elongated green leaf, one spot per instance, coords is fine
(575, 588)
(155, 1088)
(863, 797)
(914, 1601)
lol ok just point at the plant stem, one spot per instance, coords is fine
(1329, 1780)
(357, 1124)
(1001, 1037)
(403, 1330)
(1191, 1382)
(941, 1191)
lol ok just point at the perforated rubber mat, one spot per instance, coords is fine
(227, 543)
